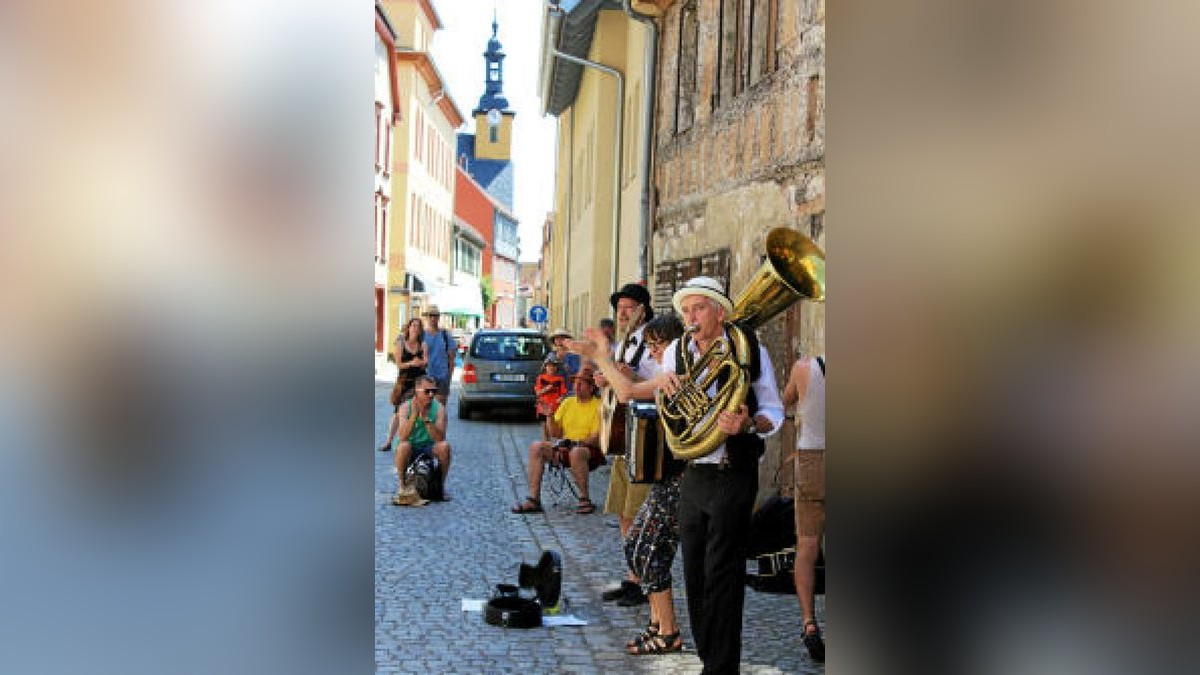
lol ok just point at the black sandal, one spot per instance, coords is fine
(650, 632)
(813, 642)
(658, 644)
(530, 505)
(585, 506)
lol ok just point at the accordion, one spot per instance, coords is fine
(646, 454)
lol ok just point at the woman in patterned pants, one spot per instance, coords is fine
(654, 536)
(650, 551)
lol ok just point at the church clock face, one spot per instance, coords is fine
(493, 117)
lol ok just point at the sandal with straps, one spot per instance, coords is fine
(585, 506)
(813, 642)
(650, 631)
(530, 505)
(658, 644)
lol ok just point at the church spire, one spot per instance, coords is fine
(493, 81)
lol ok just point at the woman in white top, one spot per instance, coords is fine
(806, 386)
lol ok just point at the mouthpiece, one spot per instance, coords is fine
(692, 328)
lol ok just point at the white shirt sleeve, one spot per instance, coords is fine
(767, 392)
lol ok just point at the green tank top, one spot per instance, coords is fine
(420, 432)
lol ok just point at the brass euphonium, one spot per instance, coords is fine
(794, 269)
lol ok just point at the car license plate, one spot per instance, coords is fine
(508, 377)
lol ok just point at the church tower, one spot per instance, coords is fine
(493, 119)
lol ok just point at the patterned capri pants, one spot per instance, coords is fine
(654, 537)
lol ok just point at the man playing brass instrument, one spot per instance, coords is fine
(718, 489)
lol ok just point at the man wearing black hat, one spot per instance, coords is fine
(631, 305)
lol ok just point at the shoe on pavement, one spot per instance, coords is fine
(814, 643)
(633, 597)
(407, 496)
(385, 447)
(616, 593)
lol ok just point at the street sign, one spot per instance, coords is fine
(538, 314)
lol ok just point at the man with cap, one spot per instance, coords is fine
(442, 350)
(631, 305)
(718, 489)
(576, 424)
(570, 363)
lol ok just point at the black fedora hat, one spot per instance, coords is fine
(638, 294)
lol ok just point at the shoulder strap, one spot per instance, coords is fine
(637, 354)
(821, 362)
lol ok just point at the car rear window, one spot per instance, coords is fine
(509, 347)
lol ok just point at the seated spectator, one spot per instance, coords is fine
(422, 426)
(577, 424)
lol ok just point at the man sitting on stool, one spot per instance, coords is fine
(577, 422)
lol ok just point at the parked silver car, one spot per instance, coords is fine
(500, 368)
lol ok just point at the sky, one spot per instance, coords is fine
(458, 53)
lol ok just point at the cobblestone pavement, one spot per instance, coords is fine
(428, 559)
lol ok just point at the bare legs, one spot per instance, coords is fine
(542, 452)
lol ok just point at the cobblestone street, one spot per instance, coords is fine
(428, 559)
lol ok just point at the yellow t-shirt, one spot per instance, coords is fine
(578, 419)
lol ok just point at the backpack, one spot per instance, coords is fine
(424, 474)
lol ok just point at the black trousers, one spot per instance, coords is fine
(715, 504)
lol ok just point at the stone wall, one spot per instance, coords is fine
(739, 150)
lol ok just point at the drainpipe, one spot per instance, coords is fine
(566, 304)
(619, 112)
(649, 96)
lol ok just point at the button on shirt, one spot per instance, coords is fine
(766, 391)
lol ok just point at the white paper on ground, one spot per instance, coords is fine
(469, 605)
(563, 620)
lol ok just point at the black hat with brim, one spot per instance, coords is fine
(638, 294)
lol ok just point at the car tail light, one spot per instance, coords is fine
(469, 374)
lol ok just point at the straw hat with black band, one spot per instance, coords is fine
(706, 286)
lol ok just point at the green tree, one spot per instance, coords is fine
(488, 292)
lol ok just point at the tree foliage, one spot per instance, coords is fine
(488, 292)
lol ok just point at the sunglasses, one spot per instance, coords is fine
(433, 316)
(428, 391)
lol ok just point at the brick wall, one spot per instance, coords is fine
(739, 149)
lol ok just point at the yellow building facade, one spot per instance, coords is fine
(595, 243)
(420, 247)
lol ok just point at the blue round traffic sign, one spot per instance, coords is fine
(538, 314)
